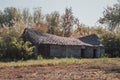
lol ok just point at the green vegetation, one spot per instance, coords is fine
(111, 17)
(111, 42)
(12, 47)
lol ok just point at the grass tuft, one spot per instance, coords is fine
(56, 61)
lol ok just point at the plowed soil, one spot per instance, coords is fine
(59, 72)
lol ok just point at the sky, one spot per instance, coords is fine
(88, 11)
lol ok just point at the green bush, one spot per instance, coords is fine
(111, 42)
(105, 55)
(24, 49)
(17, 50)
(12, 47)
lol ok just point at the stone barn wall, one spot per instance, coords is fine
(100, 51)
(62, 51)
(89, 52)
(65, 51)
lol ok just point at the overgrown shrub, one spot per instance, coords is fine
(24, 49)
(12, 47)
(111, 42)
(16, 50)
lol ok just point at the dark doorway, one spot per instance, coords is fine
(44, 50)
(83, 53)
(94, 53)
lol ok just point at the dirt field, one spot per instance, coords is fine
(61, 72)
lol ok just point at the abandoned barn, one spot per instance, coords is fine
(49, 45)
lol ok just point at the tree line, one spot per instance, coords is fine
(53, 23)
(13, 21)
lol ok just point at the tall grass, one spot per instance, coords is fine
(63, 61)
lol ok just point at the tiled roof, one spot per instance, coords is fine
(91, 39)
(38, 38)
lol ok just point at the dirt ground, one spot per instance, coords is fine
(58, 72)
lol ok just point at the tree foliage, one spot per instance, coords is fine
(37, 16)
(53, 22)
(9, 16)
(24, 49)
(12, 47)
(111, 43)
(111, 17)
(27, 18)
(68, 21)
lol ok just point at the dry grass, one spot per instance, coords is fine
(55, 61)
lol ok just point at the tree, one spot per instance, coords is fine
(53, 21)
(10, 16)
(111, 43)
(111, 17)
(68, 22)
(38, 19)
(37, 15)
(1, 19)
(27, 18)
